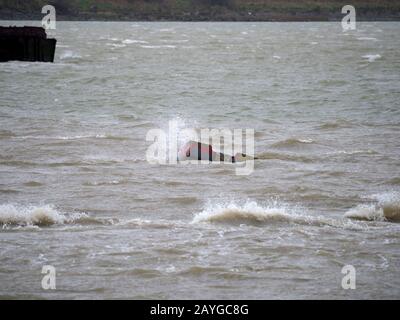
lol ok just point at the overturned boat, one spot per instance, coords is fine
(194, 150)
(26, 44)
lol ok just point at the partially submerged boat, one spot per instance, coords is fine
(194, 150)
(26, 44)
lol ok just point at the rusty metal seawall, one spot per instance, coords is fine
(26, 44)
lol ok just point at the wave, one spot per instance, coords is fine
(335, 125)
(95, 136)
(251, 213)
(42, 216)
(385, 208)
(367, 39)
(69, 55)
(105, 183)
(157, 224)
(129, 41)
(292, 142)
(372, 57)
(110, 39)
(77, 137)
(183, 200)
(283, 157)
(353, 152)
(175, 40)
(394, 181)
(33, 184)
(159, 47)
(116, 45)
(6, 134)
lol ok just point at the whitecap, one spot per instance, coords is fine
(69, 55)
(252, 213)
(292, 142)
(116, 45)
(46, 215)
(367, 39)
(129, 41)
(159, 47)
(175, 40)
(372, 57)
(385, 208)
(366, 212)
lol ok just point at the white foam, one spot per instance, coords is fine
(116, 45)
(353, 152)
(77, 137)
(129, 41)
(385, 208)
(390, 203)
(159, 47)
(292, 142)
(175, 40)
(35, 215)
(97, 136)
(306, 140)
(69, 55)
(367, 39)
(365, 212)
(372, 57)
(252, 213)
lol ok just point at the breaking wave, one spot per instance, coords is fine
(69, 55)
(130, 41)
(253, 214)
(372, 57)
(158, 46)
(367, 39)
(385, 208)
(42, 216)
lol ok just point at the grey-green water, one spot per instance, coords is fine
(77, 193)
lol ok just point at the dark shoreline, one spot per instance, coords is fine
(262, 17)
(201, 10)
(85, 19)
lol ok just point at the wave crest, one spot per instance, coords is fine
(40, 216)
(292, 142)
(386, 208)
(253, 214)
(66, 55)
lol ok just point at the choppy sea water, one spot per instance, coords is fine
(77, 193)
